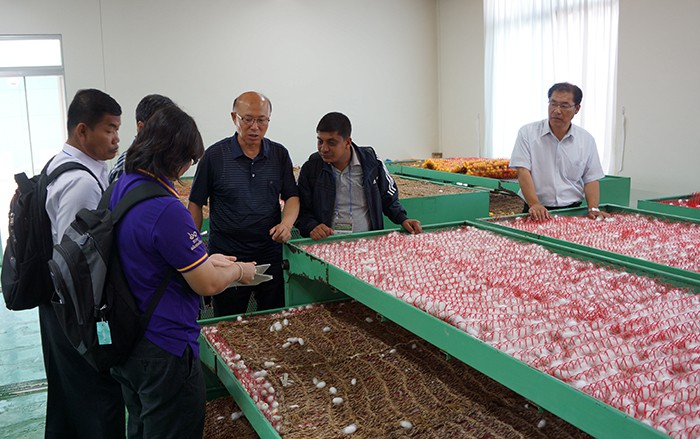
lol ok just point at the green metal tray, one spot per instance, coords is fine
(613, 189)
(654, 205)
(215, 366)
(437, 209)
(589, 414)
(653, 268)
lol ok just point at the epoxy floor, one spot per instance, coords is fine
(22, 377)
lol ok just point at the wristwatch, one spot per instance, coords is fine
(593, 209)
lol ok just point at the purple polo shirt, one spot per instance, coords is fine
(153, 237)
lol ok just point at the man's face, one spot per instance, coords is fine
(562, 109)
(333, 148)
(251, 118)
(102, 141)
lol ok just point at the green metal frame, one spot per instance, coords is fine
(216, 367)
(613, 189)
(655, 269)
(655, 205)
(436, 209)
(553, 395)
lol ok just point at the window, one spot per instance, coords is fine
(532, 44)
(32, 109)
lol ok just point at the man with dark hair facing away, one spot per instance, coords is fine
(144, 110)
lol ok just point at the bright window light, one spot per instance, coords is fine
(30, 53)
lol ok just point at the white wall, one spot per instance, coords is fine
(658, 74)
(461, 77)
(375, 61)
(657, 85)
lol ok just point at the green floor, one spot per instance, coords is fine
(22, 378)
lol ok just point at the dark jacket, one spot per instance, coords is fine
(317, 192)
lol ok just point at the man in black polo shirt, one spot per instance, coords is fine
(244, 177)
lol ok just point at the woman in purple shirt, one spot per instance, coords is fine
(162, 380)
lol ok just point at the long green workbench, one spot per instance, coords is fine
(613, 189)
(310, 280)
(684, 276)
(657, 205)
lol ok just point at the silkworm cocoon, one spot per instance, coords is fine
(353, 381)
(406, 424)
(337, 400)
(236, 415)
(268, 364)
(332, 390)
(326, 329)
(320, 384)
(350, 429)
(542, 422)
(286, 345)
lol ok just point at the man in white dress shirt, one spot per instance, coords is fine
(81, 402)
(557, 161)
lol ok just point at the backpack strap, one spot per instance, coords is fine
(160, 291)
(68, 166)
(142, 192)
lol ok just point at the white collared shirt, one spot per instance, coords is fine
(559, 169)
(73, 190)
(351, 209)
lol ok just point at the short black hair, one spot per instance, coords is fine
(89, 107)
(149, 105)
(337, 122)
(168, 141)
(565, 87)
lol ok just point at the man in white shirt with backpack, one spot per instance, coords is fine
(81, 402)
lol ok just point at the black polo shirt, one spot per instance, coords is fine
(244, 196)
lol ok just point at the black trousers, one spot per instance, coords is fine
(165, 394)
(268, 295)
(81, 402)
(526, 209)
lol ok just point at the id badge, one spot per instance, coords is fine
(104, 335)
(342, 228)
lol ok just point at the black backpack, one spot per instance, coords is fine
(92, 299)
(26, 282)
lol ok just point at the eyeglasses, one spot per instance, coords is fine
(250, 120)
(564, 106)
